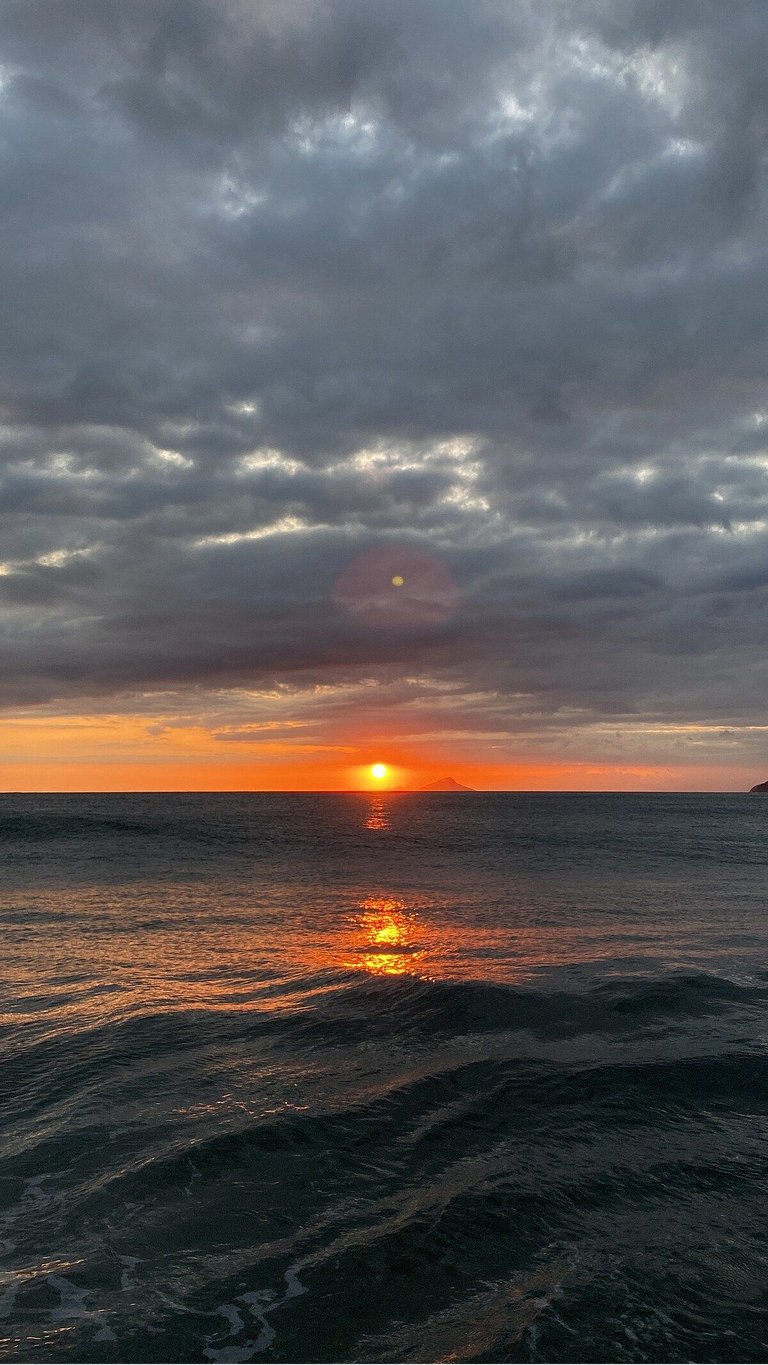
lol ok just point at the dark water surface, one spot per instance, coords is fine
(386, 1078)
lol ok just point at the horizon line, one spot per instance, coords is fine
(389, 791)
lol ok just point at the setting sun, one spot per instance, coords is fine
(379, 769)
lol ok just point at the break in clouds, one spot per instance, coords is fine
(291, 283)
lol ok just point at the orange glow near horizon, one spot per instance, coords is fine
(123, 752)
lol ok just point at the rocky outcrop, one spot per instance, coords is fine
(761, 787)
(446, 784)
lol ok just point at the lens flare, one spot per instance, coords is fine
(397, 587)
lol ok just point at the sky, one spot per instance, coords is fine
(383, 382)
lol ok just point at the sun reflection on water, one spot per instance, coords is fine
(378, 814)
(93, 954)
(388, 939)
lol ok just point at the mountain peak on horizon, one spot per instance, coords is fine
(445, 784)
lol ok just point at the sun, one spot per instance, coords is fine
(379, 770)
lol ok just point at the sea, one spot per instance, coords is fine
(384, 1077)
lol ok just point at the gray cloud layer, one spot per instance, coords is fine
(288, 281)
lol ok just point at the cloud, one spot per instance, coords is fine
(291, 284)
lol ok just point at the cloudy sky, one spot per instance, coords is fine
(383, 379)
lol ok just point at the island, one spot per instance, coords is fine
(446, 784)
(761, 787)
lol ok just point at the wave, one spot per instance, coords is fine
(472, 1204)
(471, 1056)
(41, 827)
(334, 1008)
(394, 1148)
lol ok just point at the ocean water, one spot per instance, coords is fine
(384, 1078)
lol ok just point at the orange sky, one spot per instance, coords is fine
(118, 752)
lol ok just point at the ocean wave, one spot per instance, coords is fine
(452, 1206)
(335, 1007)
(338, 1008)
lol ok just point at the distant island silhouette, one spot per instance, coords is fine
(761, 787)
(445, 784)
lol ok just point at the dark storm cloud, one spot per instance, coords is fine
(287, 281)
